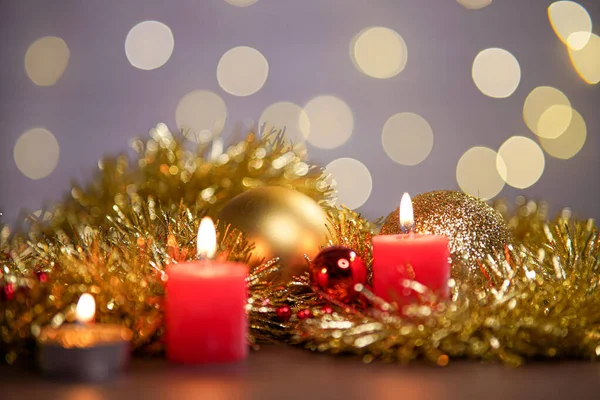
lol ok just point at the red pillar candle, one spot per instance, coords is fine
(409, 256)
(205, 306)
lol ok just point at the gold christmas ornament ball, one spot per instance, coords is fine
(280, 222)
(474, 229)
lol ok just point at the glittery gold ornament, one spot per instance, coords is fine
(281, 223)
(474, 228)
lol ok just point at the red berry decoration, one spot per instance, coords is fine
(284, 312)
(42, 277)
(304, 314)
(327, 310)
(9, 291)
(336, 270)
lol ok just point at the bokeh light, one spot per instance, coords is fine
(571, 23)
(241, 3)
(520, 162)
(149, 45)
(474, 4)
(496, 72)
(330, 122)
(407, 138)
(202, 115)
(46, 60)
(554, 121)
(570, 142)
(587, 60)
(36, 153)
(379, 52)
(352, 180)
(479, 173)
(285, 114)
(242, 71)
(547, 111)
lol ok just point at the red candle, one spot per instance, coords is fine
(398, 259)
(205, 306)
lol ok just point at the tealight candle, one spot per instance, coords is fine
(421, 258)
(84, 351)
(205, 304)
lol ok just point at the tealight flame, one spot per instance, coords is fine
(407, 219)
(207, 239)
(86, 308)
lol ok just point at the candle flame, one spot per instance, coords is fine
(86, 308)
(407, 219)
(207, 239)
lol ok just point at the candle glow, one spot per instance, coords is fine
(86, 308)
(406, 215)
(207, 239)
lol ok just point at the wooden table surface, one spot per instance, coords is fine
(277, 372)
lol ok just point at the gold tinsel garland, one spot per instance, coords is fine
(538, 297)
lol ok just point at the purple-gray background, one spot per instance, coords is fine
(102, 100)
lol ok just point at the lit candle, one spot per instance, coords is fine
(84, 351)
(205, 306)
(409, 256)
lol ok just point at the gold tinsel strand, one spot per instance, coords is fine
(114, 237)
(173, 171)
(537, 297)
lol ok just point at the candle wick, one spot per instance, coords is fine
(407, 228)
(203, 257)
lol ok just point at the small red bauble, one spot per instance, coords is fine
(336, 270)
(304, 314)
(9, 291)
(42, 277)
(284, 312)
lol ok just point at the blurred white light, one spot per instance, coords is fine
(241, 3)
(149, 45)
(352, 180)
(474, 4)
(407, 138)
(330, 122)
(496, 72)
(547, 111)
(201, 114)
(571, 23)
(520, 162)
(587, 60)
(242, 71)
(479, 173)
(570, 142)
(379, 52)
(290, 116)
(46, 60)
(36, 153)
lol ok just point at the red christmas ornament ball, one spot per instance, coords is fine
(42, 277)
(304, 314)
(284, 312)
(8, 291)
(336, 270)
